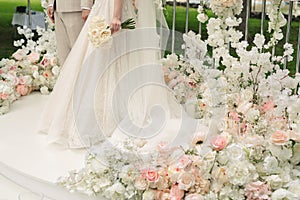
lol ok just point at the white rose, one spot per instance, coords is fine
(282, 194)
(186, 180)
(235, 152)
(140, 183)
(271, 165)
(149, 194)
(44, 90)
(274, 181)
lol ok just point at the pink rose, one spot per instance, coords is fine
(1, 71)
(151, 175)
(235, 116)
(269, 105)
(16, 81)
(12, 68)
(18, 55)
(279, 138)
(176, 193)
(45, 62)
(23, 90)
(184, 161)
(22, 80)
(218, 143)
(258, 191)
(194, 197)
(33, 57)
(3, 96)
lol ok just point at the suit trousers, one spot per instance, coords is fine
(67, 28)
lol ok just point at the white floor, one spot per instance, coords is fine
(24, 150)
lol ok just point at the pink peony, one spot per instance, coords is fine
(257, 191)
(279, 138)
(218, 143)
(23, 90)
(176, 193)
(33, 57)
(1, 71)
(269, 105)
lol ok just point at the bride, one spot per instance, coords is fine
(117, 88)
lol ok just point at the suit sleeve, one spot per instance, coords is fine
(87, 3)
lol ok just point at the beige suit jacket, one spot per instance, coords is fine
(71, 5)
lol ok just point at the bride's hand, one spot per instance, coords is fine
(115, 25)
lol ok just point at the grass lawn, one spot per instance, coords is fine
(7, 31)
(7, 9)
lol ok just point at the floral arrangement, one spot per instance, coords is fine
(250, 105)
(33, 67)
(99, 32)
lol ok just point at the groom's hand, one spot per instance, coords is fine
(85, 13)
(50, 13)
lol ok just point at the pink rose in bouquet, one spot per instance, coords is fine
(279, 138)
(3, 96)
(18, 55)
(150, 175)
(176, 193)
(258, 190)
(45, 62)
(218, 143)
(23, 90)
(33, 57)
(269, 105)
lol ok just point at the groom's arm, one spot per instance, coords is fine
(50, 11)
(86, 6)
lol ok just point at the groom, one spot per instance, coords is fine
(69, 17)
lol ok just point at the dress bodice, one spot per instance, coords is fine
(105, 8)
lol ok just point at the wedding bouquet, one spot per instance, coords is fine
(100, 33)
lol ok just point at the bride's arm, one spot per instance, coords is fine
(115, 24)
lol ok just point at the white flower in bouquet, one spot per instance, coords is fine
(116, 191)
(99, 32)
(283, 194)
(44, 90)
(240, 173)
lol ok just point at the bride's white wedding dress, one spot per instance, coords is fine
(117, 88)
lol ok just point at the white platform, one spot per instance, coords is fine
(25, 153)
